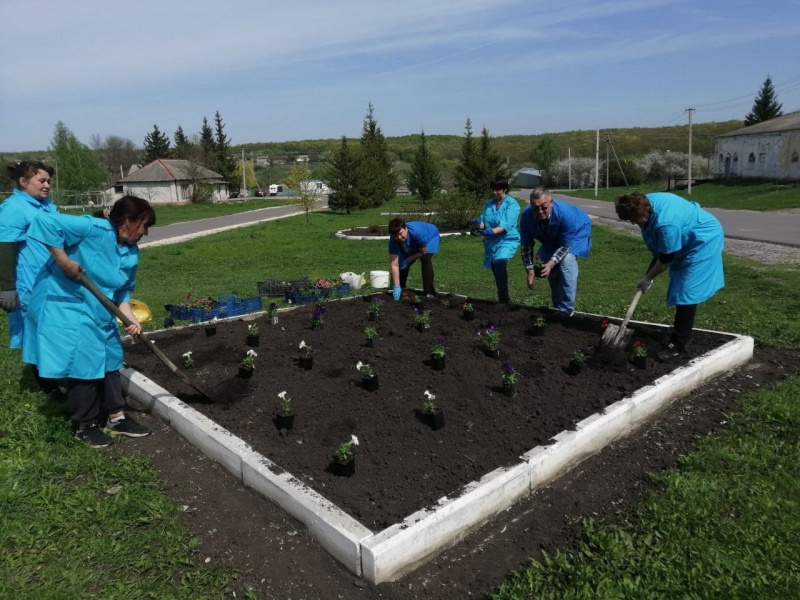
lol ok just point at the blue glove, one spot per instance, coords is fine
(486, 232)
(475, 223)
(396, 292)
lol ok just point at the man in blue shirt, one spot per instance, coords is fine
(407, 243)
(564, 232)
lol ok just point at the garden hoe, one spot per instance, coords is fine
(616, 338)
(114, 310)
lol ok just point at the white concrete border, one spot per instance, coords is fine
(342, 236)
(398, 549)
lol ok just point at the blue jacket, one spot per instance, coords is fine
(568, 225)
(696, 237)
(419, 234)
(503, 246)
(68, 332)
(16, 214)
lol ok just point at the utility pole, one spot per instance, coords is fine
(597, 163)
(569, 166)
(608, 164)
(689, 189)
(244, 181)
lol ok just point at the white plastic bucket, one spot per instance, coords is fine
(379, 279)
(355, 280)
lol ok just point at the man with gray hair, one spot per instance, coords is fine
(564, 232)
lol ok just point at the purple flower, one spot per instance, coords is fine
(273, 306)
(376, 299)
(508, 369)
(491, 327)
(417, 309)
(317, 314)
(440, 341)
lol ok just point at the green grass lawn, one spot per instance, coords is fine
(732, 195)
(166, 215)
(63, 506)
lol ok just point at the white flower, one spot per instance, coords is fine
(429, 396)
(187, 354)
(214, 320)
(303, 344)
(353, 440)
(252, 353)
(359, 365)
(282, 395)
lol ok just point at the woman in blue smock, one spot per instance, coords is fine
(407, 243)
(687, 241)
(22, 259)
(68, 333)
(501, 237)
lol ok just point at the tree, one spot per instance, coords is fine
(299, 180)
(222, 163)
(341, 173)
(156, 145)
(78, 168)
(116, 153)
(425, 177)
(490, 163)
(207, 145)
(766, 105)
(545, 155)
(182, 146)
(467, 171)
(376, 179)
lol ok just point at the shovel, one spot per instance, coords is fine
(114, 310)
(616, 338)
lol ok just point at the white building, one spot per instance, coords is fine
(170, 181)
(315, 186)
(767, 150)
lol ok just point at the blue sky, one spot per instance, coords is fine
(281, 71)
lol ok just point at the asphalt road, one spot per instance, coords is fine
(768, 227)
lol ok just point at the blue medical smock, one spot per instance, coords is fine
(16, 214)
(503, 246)
(568, 225)
(419, 234)
(68, 332)
(696, 237)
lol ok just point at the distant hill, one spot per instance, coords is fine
(632, 141)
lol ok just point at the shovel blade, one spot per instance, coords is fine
(615, 337)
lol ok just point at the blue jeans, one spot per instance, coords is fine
(563, 280)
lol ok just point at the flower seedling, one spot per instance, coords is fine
(252, 329)
(490, 338)
(579, 358)
(188, 361)
(537, 321)
(305, 349)
(375, 306)
(316, 318)
(286, 403)
(445, 303)
(272, 309)
(207, 303)
(249, 360)
(370, 333)
(467, 307)
(639, 350)
(321, 303)
(508, 374)
(365, 369)
(421, 316)
(428, 404)
(438, 349)
(604, 324)
(345, 451)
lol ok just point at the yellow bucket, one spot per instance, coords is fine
(140, 310)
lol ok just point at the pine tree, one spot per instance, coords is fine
(207, 145)
(223, 163)
(376, 178)
(342, 172)
(156, 145)
(545, 155)
(425, 178)
(79, 169)
(490, 163)
(182, 147)
(766, 105)
(469, 172)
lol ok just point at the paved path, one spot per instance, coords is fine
(180, 232)
(768, 227)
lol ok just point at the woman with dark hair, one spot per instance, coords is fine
(500, 233)
(22, 259)
(407, 243)
(68, 332)
(687, 241)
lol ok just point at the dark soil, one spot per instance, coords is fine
(402, 464)
(274, 555)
